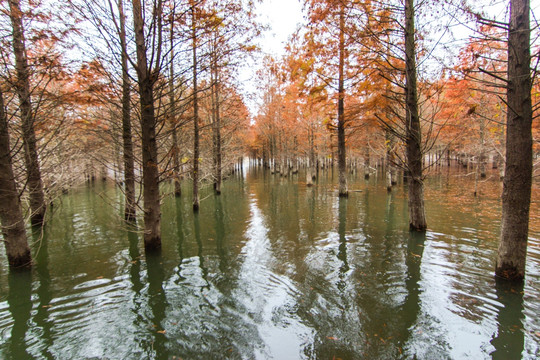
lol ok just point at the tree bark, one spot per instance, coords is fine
(195, 112)
(516, 196)
(417, 217)
(172, 100)
(15, 241)
(342, 157)
(22, 86)
(129, 167)
(216, 123)
(152, 212)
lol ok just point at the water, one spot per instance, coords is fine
(272, 269)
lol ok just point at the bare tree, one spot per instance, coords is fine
(516, 197)
(13, 228)
(22, 86)
(147, 75)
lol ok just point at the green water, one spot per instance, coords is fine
(272, 269)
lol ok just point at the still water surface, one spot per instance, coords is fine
(272, 269)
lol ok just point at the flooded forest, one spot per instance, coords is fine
(173, 187)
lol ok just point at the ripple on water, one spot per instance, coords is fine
(87, 305)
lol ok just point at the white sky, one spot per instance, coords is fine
(283, 17)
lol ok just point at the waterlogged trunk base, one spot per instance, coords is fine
(511, 257)
(19, 259)
(417, 215)
(508, 271)
(152, 243)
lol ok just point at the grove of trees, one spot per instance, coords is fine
(146, 92)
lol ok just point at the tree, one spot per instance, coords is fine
(196, 150)
(417, 216)
(34, 181)
(147, 75)
(335, 27)
(342, 156)
(11, 217)
(517, 183)
(129, 166)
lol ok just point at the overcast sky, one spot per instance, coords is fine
(283, 17)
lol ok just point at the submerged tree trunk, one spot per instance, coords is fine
(34, 182)
(517, 182)
(195, 113)
(129, 167)
(13, 230)
(152, 211)
(342, 157)
(417, 217)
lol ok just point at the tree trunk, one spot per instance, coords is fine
(342, 157)
(216, 124)
(176, 164)
(13, 229)
(417, 217)
(34, 182)
(172, 100)
(517, 182)
(389, 161)
(195, 113)
(129, 167)
(152, 211)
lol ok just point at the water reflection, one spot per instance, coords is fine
(342, 251)
(43, 291)
(197, 233)
(219, 227)
(157, 303)
(509, 339)
(411, 306)
(272, 269)
(20, 307)
(180, 237)
(135, 261)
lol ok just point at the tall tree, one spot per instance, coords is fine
(147, 75)
(11, 217)
(216, 118)
(342, 156)
(173, 118)
(34, 182)
(196, 150)
(517, 183)
(129, 167)
(334, 27)
(417, 216)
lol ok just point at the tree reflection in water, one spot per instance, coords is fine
(509, 339)
(20, 306)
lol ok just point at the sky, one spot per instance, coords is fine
(282, 16)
